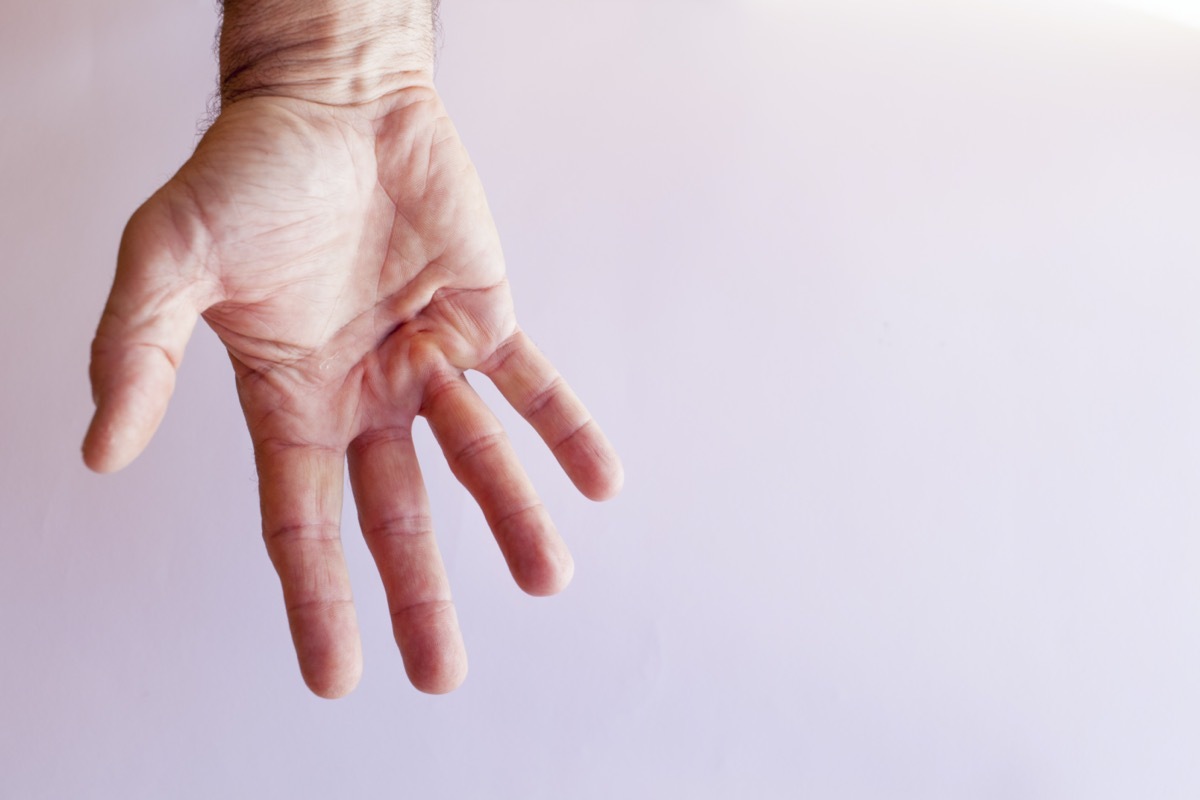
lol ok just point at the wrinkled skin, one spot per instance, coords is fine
(347, 259)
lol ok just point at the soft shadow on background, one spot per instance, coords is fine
(891, 309)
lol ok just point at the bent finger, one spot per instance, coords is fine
(393, 511)
(300, 488)
(538, 392)
(483, 460)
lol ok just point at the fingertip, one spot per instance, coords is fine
(334, 689)
(93, 459)
(130, 407)
(591, 462)
(447, 677)
(606, 483)
(546, 575)
(596, 471)
(333, 682)
(104, 450)
(431, 644)
(538, 558)
(328, 648)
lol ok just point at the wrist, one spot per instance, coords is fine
(339, 52)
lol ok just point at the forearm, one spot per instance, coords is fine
(328, 51)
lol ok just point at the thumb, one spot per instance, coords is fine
(149, 317)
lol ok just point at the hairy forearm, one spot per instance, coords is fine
(328, 51)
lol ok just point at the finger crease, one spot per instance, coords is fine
(434, 393)
(387, 436)
(544, 397)
(578, 430)
(424, 608)
(319, 604)
(171, 358)
(401, 526)
(502, 355)
(275, 446)
(322, 532)
(512, 515)
(479, 446)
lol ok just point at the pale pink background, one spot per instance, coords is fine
(892, 309)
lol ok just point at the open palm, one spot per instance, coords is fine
(347, 259)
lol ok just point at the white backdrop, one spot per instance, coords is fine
(890, 307)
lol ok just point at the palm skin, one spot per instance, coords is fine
(347, 259)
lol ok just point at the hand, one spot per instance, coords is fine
(347, 259)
